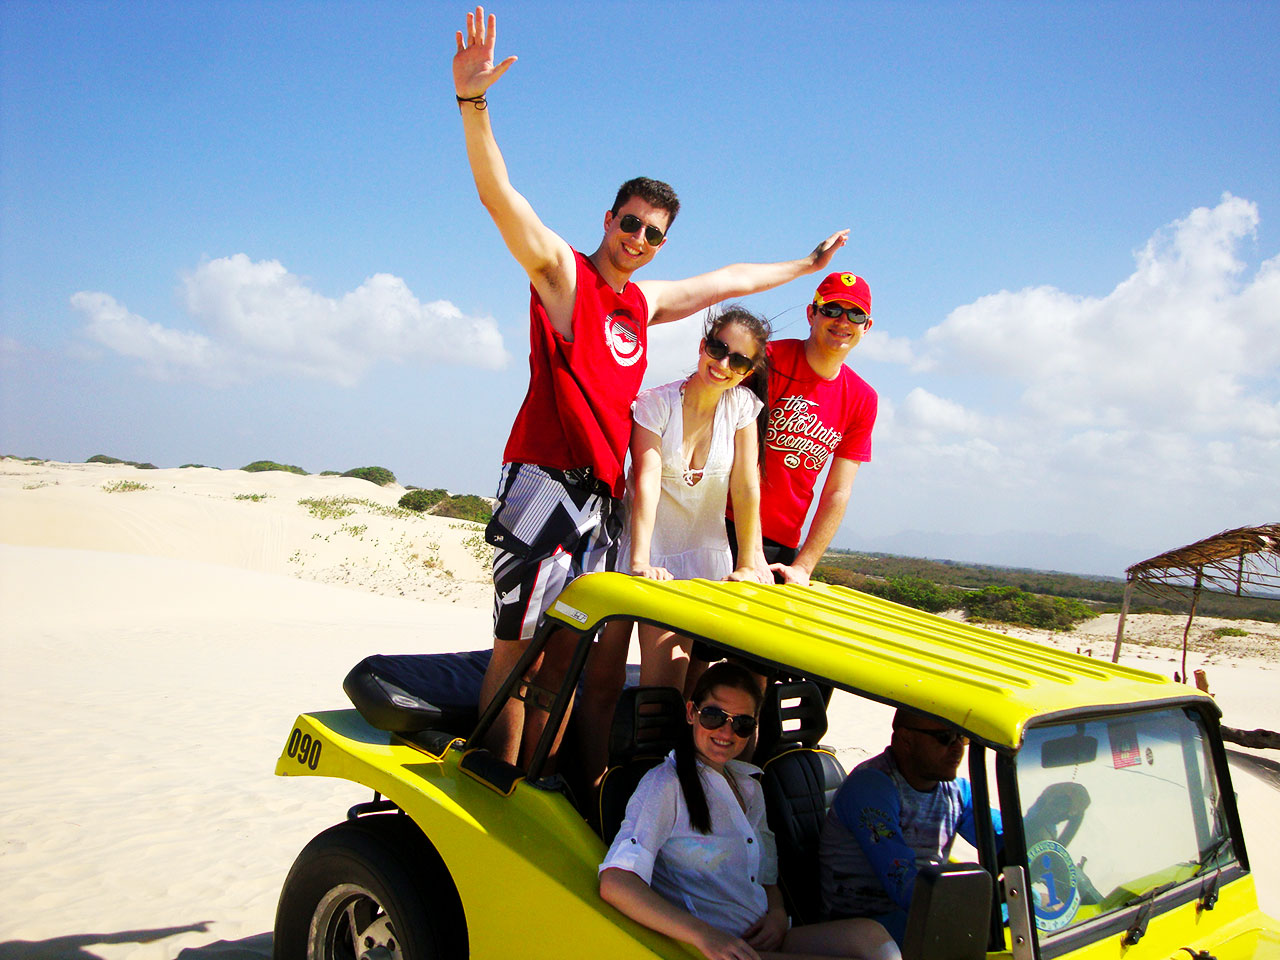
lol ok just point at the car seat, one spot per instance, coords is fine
(646, 725)
(801, 778)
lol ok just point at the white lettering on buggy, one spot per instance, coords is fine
(570, 612)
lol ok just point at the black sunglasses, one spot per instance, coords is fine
(713, 718)
(834, 311)
(630, 223)
(944, 738)
(718, 350)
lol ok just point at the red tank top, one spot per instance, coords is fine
(577, 412)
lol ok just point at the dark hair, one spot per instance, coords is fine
(758, 380)
(653, 192)
(723, 674)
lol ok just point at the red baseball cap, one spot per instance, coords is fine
(846, 288)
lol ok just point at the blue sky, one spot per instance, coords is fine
(236, 231)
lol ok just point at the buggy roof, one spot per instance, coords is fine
(986, 683)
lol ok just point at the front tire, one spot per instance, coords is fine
(369, 889)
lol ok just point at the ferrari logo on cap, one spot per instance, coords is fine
(848, 279)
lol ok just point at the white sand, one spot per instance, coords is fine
(158, 643)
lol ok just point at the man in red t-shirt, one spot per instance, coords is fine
(820, 411)
(562, 477)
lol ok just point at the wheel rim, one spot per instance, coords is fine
(351, 924)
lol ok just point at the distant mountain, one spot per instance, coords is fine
(1069, 553)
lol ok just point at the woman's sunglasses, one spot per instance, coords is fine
(834, 311)
(630, 223)
(713, 718)
(718, 350)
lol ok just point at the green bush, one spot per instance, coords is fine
(1011, 605)
(204, 466)
(465, 506)
(330, 473)
(916, 592)
(379, 475)
(1230, 632)
(422, 499)
(259, 466)
(103, 458)
(124, 486)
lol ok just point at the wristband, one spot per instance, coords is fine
(480, 102)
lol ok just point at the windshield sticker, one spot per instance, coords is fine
(1055, 887)
(1124, 745)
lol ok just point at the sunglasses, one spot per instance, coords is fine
(713, 718)
(718, 350)
(834, 311)
(944, 738)
(630, 223)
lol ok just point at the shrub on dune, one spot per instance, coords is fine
(260, 466)
(379, 475)
(103, 458)
(465, 506)
(420, 500)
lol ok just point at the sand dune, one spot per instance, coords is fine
(158, 644)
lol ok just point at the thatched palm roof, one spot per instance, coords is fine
(1244, 561)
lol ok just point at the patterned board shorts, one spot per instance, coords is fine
(545, 532)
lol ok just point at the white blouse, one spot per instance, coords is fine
(689, 536)
(718, 877)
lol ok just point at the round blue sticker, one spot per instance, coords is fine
(1055, 887)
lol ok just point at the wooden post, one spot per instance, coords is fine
(1124, 612)
(1195, 599)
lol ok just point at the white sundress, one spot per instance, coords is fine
(689, 536)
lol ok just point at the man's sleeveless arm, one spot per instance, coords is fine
(675, 299)
(545, 256)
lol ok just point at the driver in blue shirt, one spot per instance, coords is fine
(893, 814)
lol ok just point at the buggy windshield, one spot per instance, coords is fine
(1117, 810)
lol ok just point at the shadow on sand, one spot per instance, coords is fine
(1264, 768)
(78, 946)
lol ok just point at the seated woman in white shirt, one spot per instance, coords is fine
(695, 858)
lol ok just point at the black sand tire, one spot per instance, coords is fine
(369, 889)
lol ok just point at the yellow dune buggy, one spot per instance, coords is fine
(1121, 839)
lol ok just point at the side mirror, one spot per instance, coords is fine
(950, 913)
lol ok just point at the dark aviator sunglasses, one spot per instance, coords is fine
(835, 311)
(630, 223)
(944, 738)
(713, 718)
(718, 350)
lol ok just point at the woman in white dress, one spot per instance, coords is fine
(692, 443)
(695, 442)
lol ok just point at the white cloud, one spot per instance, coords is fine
(1155, 407)
(1183, 343)
(164, 351)
(924, 416)
(259, 319)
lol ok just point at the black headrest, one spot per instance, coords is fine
(793, 715)
(646, 723)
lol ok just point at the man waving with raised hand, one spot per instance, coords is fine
(563, 467)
